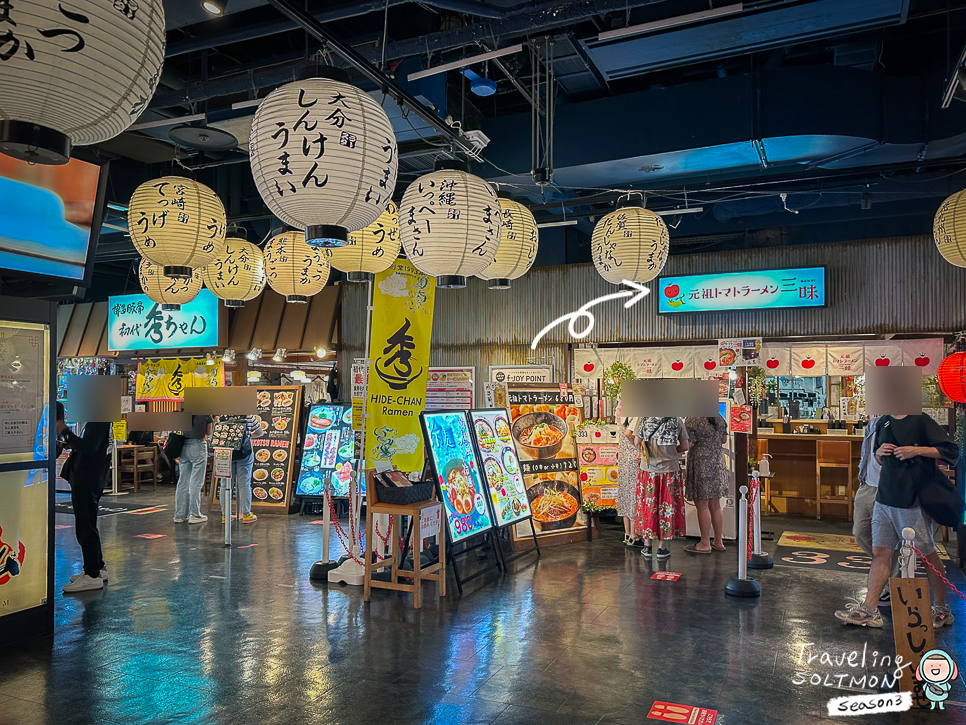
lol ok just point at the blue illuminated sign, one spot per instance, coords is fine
(761, 290)
(136, 323)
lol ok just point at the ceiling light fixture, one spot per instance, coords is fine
(254, 354)
(228, 356)
(215, 7)
(674, 22)
(209, 358)
(321, 352)
(279, 355)
(457, 64)
(686, 210)
(562, 223)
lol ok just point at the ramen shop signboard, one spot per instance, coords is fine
(136, 323)
(761, 290)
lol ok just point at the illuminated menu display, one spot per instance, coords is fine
(501, 467)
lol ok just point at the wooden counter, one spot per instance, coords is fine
(820, 425)
(793, 461)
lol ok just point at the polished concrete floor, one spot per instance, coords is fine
(189, 632)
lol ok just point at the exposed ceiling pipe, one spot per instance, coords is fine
(332, 14)
(515, 23)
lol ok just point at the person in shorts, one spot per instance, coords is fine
(899, 440)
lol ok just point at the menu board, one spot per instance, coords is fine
(450, 388)
(501, 467)
(23, 391)
(741, 416)
(597, 456)
(329, 450)
(543, 417)
(447, 437)
(226, 435)
(278, 410)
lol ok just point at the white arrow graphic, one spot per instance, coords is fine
(584, 311)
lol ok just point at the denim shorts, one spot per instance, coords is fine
(888, 523)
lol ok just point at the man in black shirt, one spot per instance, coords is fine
(906, 446)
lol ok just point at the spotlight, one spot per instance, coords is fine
(228, 356)
(254, 354)
(279, 354)
(209, 359)
(321, 351)
(215, 7)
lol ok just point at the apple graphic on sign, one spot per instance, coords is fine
(772, 363)
(677, 366)
(583, 476)
(808, 363)
(710, 364)
(882, 361)
(672, 290)
(588, 367)
(597, 434)
(922, 361)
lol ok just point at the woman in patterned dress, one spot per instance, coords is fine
(628, 465)
(659, 513)
(705, 480)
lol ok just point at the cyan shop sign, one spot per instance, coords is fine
(761, 290)
(136, 323)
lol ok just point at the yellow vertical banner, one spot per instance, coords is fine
(402, 324)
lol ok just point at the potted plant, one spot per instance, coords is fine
(613, 377)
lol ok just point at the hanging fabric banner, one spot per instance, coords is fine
(677, 362)
(706, 362)
(924, 354)
(167, 379)
(777, 359)
(646, 362)
(809, 359)
(848, 359)
(883, 354)
(591, 362)
(402, 324)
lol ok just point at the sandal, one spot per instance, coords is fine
(693, 549)
(628, 540)
(719, 548)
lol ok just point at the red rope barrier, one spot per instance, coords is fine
(753, 490)
(938, 573)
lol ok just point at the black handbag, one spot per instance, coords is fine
(940, 499)
(174, 446)
(67, 470)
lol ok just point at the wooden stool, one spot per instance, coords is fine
(832, 454)
(436, 572)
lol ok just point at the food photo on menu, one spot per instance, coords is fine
(543, 423)
(271, 472)
(501, 467)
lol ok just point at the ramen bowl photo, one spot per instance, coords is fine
(459, 487)
(540, 434)
(554, 504)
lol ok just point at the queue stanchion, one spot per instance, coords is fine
(740, 585)
(907, 557)
(222, 465)
(759, 559)
(320, 569)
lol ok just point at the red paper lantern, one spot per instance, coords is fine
(952, 377)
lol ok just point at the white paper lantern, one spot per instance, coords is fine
(177, 223)
(370, 250)
(77, 72)
(518, 244)
(169, 292)
(449, 224)
(237, 274)
(294, 268)
(323, 155)
(630, 243)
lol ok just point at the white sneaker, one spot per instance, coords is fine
(84, 584)
(78, 576)
(180, 521)
(197, 519)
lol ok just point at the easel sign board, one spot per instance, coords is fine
(460, 482)
(328, 451)
(277, 408)
(913, 631)
(500, 465)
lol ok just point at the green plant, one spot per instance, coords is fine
(756, 385)
(613, 377)
(590, 422)
(592, 507)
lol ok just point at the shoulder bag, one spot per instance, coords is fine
(174, 446)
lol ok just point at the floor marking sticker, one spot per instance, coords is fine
(670, 712)
(668, 576)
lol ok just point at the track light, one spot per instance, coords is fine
(209, 358)
(279, 354)
(228, 356)
(254, 354)
(215, 7)
(321, 352)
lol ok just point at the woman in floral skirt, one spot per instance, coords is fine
(659, 512)
(705, 481)
(628, 466)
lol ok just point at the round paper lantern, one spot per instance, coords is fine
(630, 243)
(370, 250)
(77, 72)
(449, 224)
(949, 229)
(294, 268)
(177, 223)
(323, 155)
(237, 273)
(169, 292)
(952, 377)
(518, 244)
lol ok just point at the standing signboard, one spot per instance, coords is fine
(501, 467)
(597, 457)
(327, 452)
(278, 413)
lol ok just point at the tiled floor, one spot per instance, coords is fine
(189, 632)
